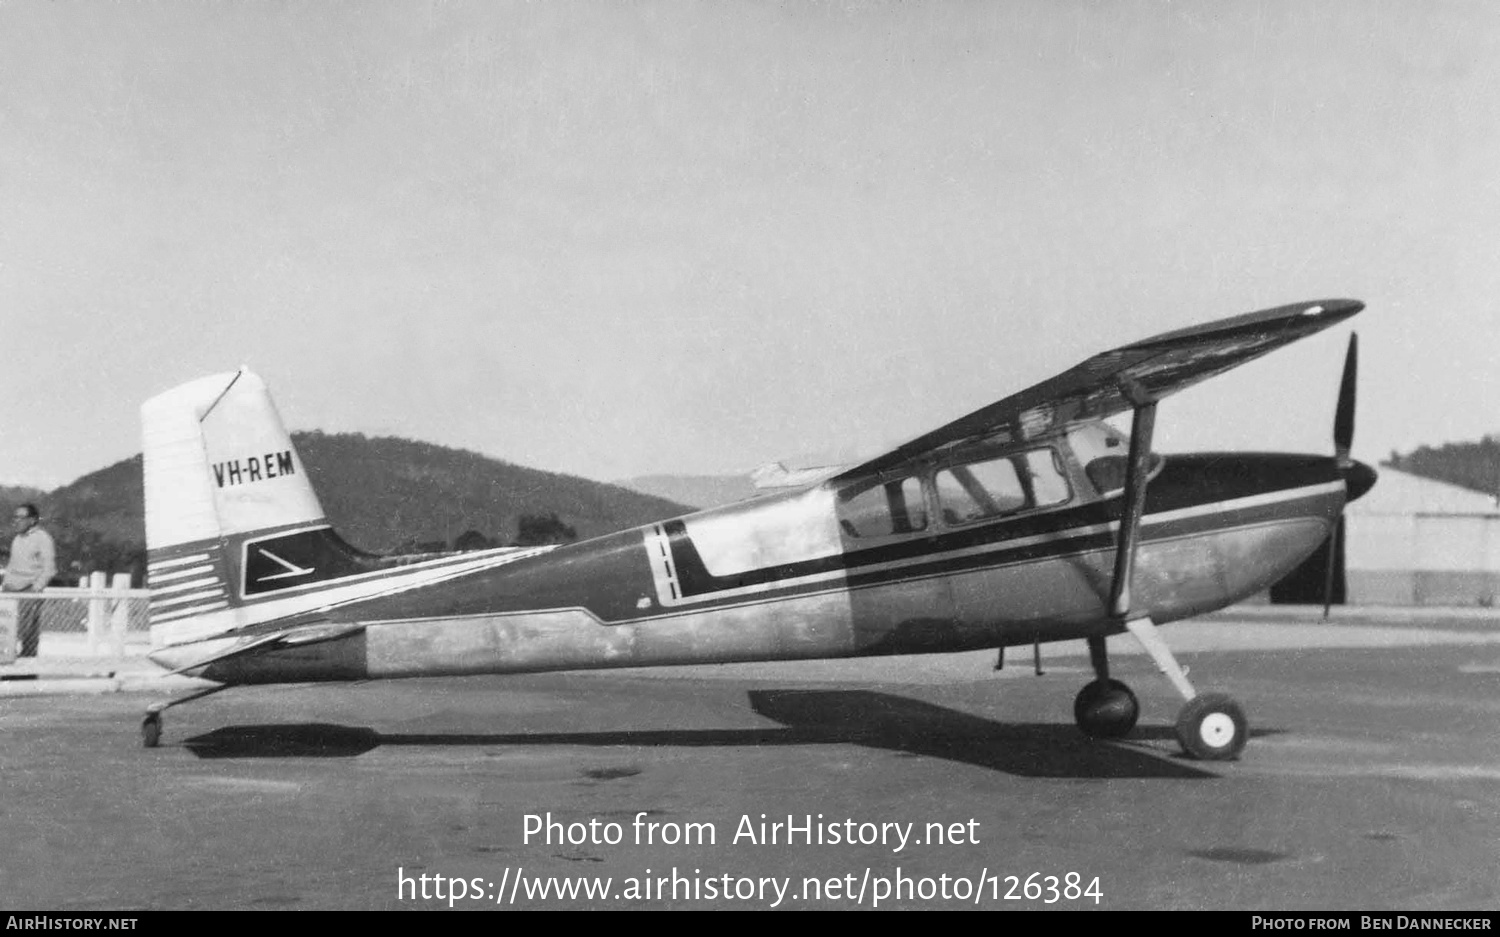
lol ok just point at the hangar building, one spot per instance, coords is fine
(1416, 541)
(1409, 541)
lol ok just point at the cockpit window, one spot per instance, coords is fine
(893, 507)
(996, 487)
(1049, 483)
(1104, 454)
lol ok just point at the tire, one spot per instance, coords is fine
(1106, 709)
(151, 731)
(1212, 727)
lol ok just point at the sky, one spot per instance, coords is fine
(615, 239)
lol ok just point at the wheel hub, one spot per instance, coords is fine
(1216, 729)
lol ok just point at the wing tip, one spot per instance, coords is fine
(1312, 316)
(1332, 308)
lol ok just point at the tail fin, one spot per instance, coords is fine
(220, 468)
(236, 540)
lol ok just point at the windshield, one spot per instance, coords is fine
(1104, 453)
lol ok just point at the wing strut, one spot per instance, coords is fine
(1142, 425)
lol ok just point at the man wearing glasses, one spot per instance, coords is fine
(33, 563)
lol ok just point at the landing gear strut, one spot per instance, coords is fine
(1211, 726)
(152, 722)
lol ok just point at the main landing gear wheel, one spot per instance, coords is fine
(151, 730)
(1212, 727)
(1106, 709)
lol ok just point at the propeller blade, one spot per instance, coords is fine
(1333, 555)
(1343, 417)
(1343, 441)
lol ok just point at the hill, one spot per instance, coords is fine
(19, 494)
(699, 491)
(383, 494)
(1474, 465)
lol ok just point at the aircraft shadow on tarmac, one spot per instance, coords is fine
(808, 717)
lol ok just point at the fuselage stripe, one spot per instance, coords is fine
(186, 611)
(392, 577)
(154, 565)
(154, 578)
(180, 599)
(184, 586)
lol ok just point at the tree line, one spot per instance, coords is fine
(1474, 465)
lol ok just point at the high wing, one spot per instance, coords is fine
(1118, 380)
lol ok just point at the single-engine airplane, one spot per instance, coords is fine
(1029, 520)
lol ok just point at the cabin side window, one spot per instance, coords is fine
(882, 510)
(996, 487)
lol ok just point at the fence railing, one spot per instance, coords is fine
(107, 613)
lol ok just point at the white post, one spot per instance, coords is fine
(119, 615)
(9, 616)
(98, 614)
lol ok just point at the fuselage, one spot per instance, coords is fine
(999, 544)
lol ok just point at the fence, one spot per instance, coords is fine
(108, 614)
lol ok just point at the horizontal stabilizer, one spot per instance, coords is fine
(777, 475)
(300, 636)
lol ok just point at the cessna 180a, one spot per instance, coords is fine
(1029, 520)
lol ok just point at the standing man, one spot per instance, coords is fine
(33, 563)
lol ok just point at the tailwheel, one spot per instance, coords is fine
(1106, 709)
(1212, 727)
(151, 724)
(151, 730)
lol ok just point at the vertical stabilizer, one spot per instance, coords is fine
(218, 465)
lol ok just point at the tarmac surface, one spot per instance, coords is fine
(1371, 783)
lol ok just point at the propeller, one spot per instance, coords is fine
(1343, 417)
(1343, 441)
